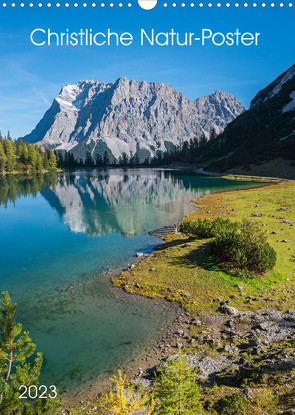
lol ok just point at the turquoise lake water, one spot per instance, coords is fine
(61, 238)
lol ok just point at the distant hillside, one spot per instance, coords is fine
(262, 136)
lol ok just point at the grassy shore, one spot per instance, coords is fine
(182, 270)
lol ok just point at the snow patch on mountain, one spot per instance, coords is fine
(291, 105)
(286, 77)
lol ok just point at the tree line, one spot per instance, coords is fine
(186, 152)
(17, 156)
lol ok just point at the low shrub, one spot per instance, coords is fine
(246, 249)
(220, 226)
(204, 228)
(200, 228)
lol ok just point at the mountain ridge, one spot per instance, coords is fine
(129, 116)
(262, 134)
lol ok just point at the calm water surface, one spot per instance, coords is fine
(63, 236)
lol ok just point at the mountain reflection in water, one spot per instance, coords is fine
(116, 202)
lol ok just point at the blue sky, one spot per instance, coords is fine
(30, 76)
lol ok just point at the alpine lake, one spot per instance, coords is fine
(63, 236)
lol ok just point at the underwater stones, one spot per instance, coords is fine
(139, 254)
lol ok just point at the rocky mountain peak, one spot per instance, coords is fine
(129, 116)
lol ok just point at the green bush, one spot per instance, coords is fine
(204, 228)
(246, 250)
(220, 226)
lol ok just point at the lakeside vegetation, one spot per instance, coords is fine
(237, 247)
(17, 156)
(183, 264)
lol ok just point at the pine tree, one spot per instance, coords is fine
(2, 156)
(45, 160)
(16, 349)
(60, 158)
(25, 155)
(88, 160)
(10, 154)
(136, 160)
(125, 159)
(131, 159)
(176, 390)
(106, 159)
(39, 162)
(147, 161)
(98, 160)
(202, 141)
(32, 156)
(52, 160)
(71, 161)
(19, 148)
